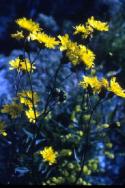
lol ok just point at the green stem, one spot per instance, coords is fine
(85, 150)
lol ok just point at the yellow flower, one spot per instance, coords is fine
(41, 37)
(28, 24)
(87, 56)
(91, 24)
(116, 88)
(64, 40)
(79, 29)
(105, 83)
(77, 53)
(84, 30)
(31, 115)
(98, 25)
(20, 64)
(27, 98)
(93, 82)
(14, 110)
(19, 35)
(2, 129)
(96, 85)
(73, 53)
(49, 155)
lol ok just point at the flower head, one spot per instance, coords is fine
(41, 37)
(87, 56)
(32, 115)
(28, 97)
(84, 30)
(94, 83)
(49, 155)
(98, 25)
(89, 27)
(116, 88)
(64, 41)
(28, 24)
(20, 64)
(104, 83)
(77, 53)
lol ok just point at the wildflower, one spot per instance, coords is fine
(14, 110)
(116, 88)
(32, 115)
(73, 53)
(79, 29)
(41, 37)
(84, 30)
(87, 56)
(20, 64)
(28, 24)
(19, 35)
(64, 41)
(92, 82)
(2, 129)
(77, 53)
(49, 155)
(91, 24)
(105, 83)
(98, 25)
(28, 98)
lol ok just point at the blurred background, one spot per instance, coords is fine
(59, 17)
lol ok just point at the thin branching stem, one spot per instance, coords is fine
(85, 149)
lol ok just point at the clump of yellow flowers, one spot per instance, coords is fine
(98, 84)
(76, 53)
(35, 33)
(94, 83)
(89, 27)
(49, 155)
(26, 98)
(30, 100)
(21, 64)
